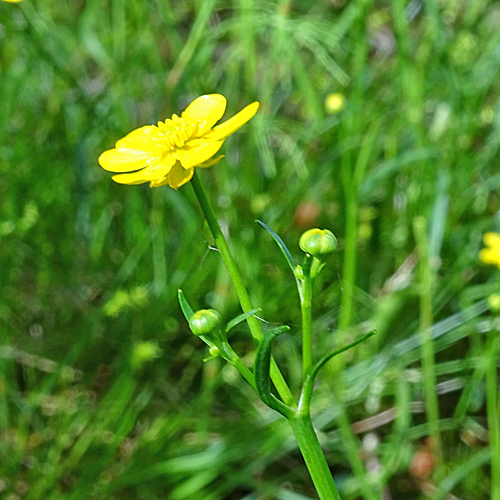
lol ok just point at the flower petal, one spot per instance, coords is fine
(196, 152)
(124, 160)
(492, 240)
(179, 176)
(131, 179)
(233, 124)
(207, 110)
(147, 138)
(151, 173)
(136, 150)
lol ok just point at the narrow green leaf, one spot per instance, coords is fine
(328, 357)
(261, 372)
(240, 318)
(280, 243)
(307, 388)
(186, 308)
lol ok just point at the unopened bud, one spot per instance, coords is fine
(318, 242)
(202, 322)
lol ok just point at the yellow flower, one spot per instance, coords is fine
(169, 152)
(491, 255)
(334, 103)
(13, 1)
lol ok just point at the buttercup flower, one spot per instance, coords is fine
(491, 254)
(334, 103)
(169, 152)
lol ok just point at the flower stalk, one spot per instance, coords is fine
(305, 306)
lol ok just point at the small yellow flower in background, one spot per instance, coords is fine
(143, 352)
(491, 254)
(169, 152)
(493, 302)
(13, 1)
(334, 103)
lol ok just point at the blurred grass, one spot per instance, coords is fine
(89, 269)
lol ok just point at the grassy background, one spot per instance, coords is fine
(103, 391)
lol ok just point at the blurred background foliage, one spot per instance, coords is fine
(103, 391)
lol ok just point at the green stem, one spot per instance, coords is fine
(305, 306)
(426, 319)
(241, 292)
(229, 355)
(313, 456)
(493, 413)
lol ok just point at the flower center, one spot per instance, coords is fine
(177, 131)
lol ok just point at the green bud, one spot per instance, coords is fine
(202, 322)
(318, 242)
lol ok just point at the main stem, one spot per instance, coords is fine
(234, 274)
(313, 456)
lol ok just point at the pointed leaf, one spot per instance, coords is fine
(310, 376)
(261, 371)
(281, 244)
(186, 308)
(328, 357)
(240, 318)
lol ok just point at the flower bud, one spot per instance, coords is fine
(318, 242)
(202, 322)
